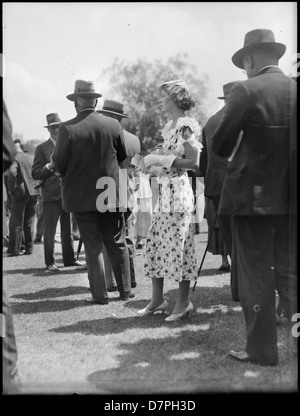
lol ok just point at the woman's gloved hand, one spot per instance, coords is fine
(165, 161)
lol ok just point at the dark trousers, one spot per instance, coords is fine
(9, 348)
(108, 227)
(22, 221)
(266, 252)
(227, 230)
(130, 244)
(53, 212)
(39, 218)
(109, 275)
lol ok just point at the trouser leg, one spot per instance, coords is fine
(66, 238)
(52, 212)
(130, 245)
(29, 223)
(254, 243)
(227, 232)
(9, 347)
(40, 219)
(90, 232)
(109, 274)
(16, 226)
(285, 264)
(113, 233)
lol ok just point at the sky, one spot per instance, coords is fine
(47, 46)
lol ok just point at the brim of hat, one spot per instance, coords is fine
(278, 48)
(53, 124)
(113, 112)
(221, 98)
(72, 97)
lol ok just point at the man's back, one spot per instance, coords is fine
(21, 170)
(258, 176)
(88, 148)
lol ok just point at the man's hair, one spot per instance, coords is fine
(265, 56)
(86, 101)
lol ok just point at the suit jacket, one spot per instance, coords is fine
(51, 188)
(20, 181)
(9, 148)
(132, 145)
(258, 177)
(212, 167)
(89, 147)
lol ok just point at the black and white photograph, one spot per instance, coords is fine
(149, 243)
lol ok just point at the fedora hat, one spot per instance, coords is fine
(258, 39)
(113, 107)
(226, 89)
(52, 120)
(83, 89)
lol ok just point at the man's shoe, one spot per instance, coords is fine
(27, 252)
(126, 296)
(15, 254)
(83, 266)
(243, 357)
(96, 302)
(112, 289)
(75, 263)
(37, 240)
(224, 268)
(52, 268)
(133, 285)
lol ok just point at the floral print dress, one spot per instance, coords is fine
(170, 250)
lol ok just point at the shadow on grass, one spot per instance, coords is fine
(211, 272)
(52, 293)
(47, 306)
(180, 360)
(33, 271)
(41, 272)
(216, 304)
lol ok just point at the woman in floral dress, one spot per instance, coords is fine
(170, 251)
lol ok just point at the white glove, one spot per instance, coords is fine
(165, 161)
(156, 170)
(50, 166)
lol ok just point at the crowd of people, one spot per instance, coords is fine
(246, 153)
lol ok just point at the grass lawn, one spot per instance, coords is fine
(66, 345)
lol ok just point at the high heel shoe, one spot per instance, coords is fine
(161, 308)
(177, 316)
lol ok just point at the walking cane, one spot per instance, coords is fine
(79, 247)
(208, 241)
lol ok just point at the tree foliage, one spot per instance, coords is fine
(135, 84)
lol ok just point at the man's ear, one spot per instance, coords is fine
(248, 60)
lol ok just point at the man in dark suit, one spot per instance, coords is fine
(10, 378)
(51, 197)
(213, 168)
(87, 154)
(259, 190)
(115, 109)
(23, 202)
